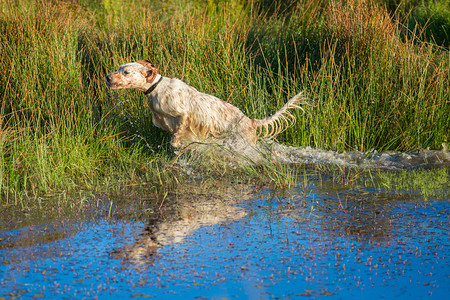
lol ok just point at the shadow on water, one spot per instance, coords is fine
(319, 238)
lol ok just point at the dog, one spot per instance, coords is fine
(192, 116)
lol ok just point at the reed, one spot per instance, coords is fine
(370, 84)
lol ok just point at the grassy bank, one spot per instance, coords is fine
(376, 79)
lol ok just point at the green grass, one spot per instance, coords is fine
(375, 82)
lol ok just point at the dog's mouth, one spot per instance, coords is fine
(111, 85)
(109, 82)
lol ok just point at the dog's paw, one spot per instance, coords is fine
(176, 143)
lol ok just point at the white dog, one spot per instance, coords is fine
(192, 116)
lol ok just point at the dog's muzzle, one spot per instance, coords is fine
(108, 79)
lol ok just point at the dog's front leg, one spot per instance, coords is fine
(181, 133)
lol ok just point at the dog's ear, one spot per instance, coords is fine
(151, 71)
(146, 63)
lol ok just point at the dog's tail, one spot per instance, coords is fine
(271, 126)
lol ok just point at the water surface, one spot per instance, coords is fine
(319, 240)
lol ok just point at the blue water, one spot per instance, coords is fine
(317, 243)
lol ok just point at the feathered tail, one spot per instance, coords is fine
(281, 120)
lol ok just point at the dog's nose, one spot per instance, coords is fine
(108, 78)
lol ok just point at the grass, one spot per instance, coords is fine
(377, 80)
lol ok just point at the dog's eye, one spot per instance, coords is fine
(126, 72)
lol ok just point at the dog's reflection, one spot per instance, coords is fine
(177, 219)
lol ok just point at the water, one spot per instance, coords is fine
(319, 240)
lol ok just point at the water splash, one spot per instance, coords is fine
(235, 150)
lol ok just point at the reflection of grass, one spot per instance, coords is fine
(425, 182)
(62, 129)
(428, 183)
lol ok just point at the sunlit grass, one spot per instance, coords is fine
(62, 129)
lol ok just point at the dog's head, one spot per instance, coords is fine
(135, 75)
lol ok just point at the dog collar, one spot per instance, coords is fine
(150, 89)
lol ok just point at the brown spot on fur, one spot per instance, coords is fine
(146, 63)
(152, 70)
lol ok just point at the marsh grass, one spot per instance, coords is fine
(62, 129)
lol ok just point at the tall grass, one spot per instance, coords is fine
(372, 86)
